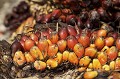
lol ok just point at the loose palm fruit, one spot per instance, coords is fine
(19, 58)
(112, 53)
(65, 55)
(102, 33)
(73, 58)
(79, 50)
(106, 67)
(62, 45)
(109, 41)
(85, 61)
(102, 57)
(90, 74)
(96, 64)
(51, 63)
(28, 57)
(39, 65)
(58, 57)
(112, 65)
(90, 51)
(99, 43)
(36, 53)
(52, 50)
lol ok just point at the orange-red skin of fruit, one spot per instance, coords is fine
(78, 50)
(56, 13)
(99, 43)
(62, 45)
(109, 41)
(90, 51)
(112, 53)
(102, 57)
(102, 33)
(52, 50)
(118, 43)
(71, 30)
(71, 41)
(34, 37)
(29, 44)
(54, 37)
(84, 40)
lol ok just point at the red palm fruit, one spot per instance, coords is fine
(56, 14)
(28, 57)
(62, 45)
(34, 37)
(66, 11)
(73, 58)
(40, 65)
(19, 58)
(63, 33)
(24, 37)
(79, 50)
(78, 36)
(109, 41)
(29, 43)
(90, 51)
(118, 43)
(102, 33)
(47, 18)
(99, 43)
(71, 41)
(52, 50)
(62, 18)
(71, 30)
(102, 57)
(112, 53)
(22, 43)
(54, 37)
(84, 40)
(71, 19)
(45, 34)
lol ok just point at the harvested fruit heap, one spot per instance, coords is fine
(83, 39)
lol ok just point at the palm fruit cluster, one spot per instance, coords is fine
(76, 34)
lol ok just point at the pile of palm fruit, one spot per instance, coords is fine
(78, 35)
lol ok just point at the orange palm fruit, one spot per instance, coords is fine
(73, 58)
(43, 46)
(62, 45)
(28, 57)
(102, 57)
(36, 53)
(51, 63)
(81, 69)
(85, 61)
(54, 37)
(90, 66)
(19, 58)
(96, 64)
(58, 57)
(102, 33)
(52, 50)
(90, 51)
(49, 42)
(79, 50)
(90, 74)
(65, 55)
(99, 43)
(112, 53)
(39, 65)
(109, 41)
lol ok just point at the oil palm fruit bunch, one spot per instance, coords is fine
(83, 39)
